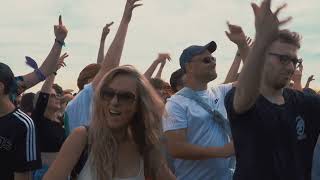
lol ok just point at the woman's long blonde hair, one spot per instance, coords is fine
(145, 127)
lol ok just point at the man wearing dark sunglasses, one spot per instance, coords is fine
(275, 129)
(197, 137)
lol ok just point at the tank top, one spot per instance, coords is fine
(87, 174)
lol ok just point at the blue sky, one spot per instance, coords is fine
(157, 26)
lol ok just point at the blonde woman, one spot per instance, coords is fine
(123, 138)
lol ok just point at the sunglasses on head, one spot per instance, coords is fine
(285, 59)
(122, 96)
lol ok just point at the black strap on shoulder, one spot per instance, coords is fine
(81, 162)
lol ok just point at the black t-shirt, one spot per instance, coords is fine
(18, 146)
(51, 134)
(275, 141)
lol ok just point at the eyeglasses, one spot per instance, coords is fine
(124, 97)
(285, 59)
(207, 60)
(55, 96)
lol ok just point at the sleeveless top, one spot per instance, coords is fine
(87, 174)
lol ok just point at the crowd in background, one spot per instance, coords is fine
(260, 123)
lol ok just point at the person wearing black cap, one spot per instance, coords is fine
(18, 148)
(19, 153)
(274, 128)
(196, 129)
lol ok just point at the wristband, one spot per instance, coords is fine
(40, 75)
(61, 43)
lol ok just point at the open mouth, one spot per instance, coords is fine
(114, 113)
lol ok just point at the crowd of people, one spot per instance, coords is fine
(261, 123)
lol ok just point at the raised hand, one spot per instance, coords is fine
(236, 35)
(106, 30)
(60, 30)
(311, 78)
(61, 62)
(297, 75)
(162, 58)
(130, 5)
(266, 22)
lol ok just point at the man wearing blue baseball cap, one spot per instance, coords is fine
(196, 126)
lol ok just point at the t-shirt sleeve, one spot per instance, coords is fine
(232, 115)
(312, 108)
(26, 151)
(79, 108)
(40, 107)
(175, 118)
(225, 88)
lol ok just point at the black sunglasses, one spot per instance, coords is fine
(123, 97)
(207, 60)
(285, 59)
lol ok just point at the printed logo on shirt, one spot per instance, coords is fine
(300, 128)
(5, 144)
(216, 101)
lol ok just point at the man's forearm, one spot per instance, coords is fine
(233, 71)
(250, 77)
(32, 78)
(194, 152)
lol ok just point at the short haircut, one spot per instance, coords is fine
(26, 104)
(287, 36)
(176, 79)
(89, 72)
(7, 78)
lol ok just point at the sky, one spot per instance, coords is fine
(156, 27)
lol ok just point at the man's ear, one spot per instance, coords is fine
(1, 88)
(188, 67)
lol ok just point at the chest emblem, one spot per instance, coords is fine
(300, 128)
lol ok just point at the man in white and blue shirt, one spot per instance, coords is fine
(199, 140)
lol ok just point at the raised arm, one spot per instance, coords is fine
(47, 85)
(104, 35)
(233, 71)
(238, 37)
(46, 69)
(162, 57)
(267, 27)
(311, 78)
(297, 77)
(113, 56)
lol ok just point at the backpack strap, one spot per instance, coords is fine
(217, 116)
(81, 162)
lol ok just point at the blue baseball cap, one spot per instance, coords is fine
(194, 50)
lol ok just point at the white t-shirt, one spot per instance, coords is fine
(202, 130)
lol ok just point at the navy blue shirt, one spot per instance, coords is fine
(275, 141)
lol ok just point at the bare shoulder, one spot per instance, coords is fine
(79, 134)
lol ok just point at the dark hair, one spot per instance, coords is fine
(89, 72)
(287, 36)
(7, 78)
(58, 89)
(176, 79)
(26, 104)
(309, 91)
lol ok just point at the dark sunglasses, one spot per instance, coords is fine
(285, 59)
(56, 96)
(208, 60)
(123, 97)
